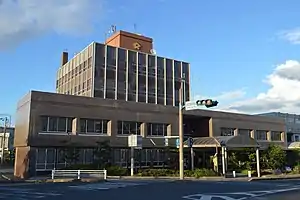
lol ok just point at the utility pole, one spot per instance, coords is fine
(181, 108)
(3, 139)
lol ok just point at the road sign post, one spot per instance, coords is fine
(134, 141)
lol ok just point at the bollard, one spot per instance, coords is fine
(78, 174)
(233, 173)
(249, 174)
(52, 174)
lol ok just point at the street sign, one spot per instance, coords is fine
(135, 141)
(191, 105)
(177, 143)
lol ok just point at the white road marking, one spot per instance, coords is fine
(108, 185)
(232, 195)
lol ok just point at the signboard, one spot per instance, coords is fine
(135, 141)
(191, 105)
(177, 143)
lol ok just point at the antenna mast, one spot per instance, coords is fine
(135, 28)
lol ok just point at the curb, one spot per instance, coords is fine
(274, 178)
(176, 178)
(27, 182)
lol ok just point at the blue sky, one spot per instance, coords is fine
(244, 53)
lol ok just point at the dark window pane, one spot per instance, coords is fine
(90, 126)
(104, 126)
(98, 126)
(62, 124)
(111, 56)
(44, 123)
(83, 125)
(53, 124)
(70, 124)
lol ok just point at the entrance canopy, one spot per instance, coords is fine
(238, 141)
(294, 145)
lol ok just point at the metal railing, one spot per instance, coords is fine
(79, 174)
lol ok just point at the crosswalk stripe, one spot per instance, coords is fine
(108, 185)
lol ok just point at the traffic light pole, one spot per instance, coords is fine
(180, 117)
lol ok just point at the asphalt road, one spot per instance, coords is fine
(155, 189)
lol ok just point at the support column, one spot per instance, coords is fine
(192, 159)
(75, 126)
(144, 129)
(223, 161)
(257, 162)
(21, 167)
(226, 159)
(112, 128)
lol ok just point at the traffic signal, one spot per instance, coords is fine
(208, 103)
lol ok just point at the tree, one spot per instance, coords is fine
(102, 154)
(276, 157)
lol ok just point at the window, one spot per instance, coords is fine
(93, 126)
(111, 56)
(227, 131)
(276, 136)
(296, 138)
(261, 135)
(157, 129)
(56, 124)
(245, 132)
(290, 120)
(129, 127)
(177, 69)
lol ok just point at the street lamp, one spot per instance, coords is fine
(6, 120)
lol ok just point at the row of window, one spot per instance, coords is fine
(75, 72)
(259, 134)
(48, 159)
(100, 126)
(139, 58)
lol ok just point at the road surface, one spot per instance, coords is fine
(155, 190)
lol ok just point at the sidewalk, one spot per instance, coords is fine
(276, 177)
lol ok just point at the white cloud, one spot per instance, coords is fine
(292, 36)
(23, 19)
(282, 96)
(225, 96)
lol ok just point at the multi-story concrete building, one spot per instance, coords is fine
(292, 122)
(137, 94)
(10, 133)
(124, 68)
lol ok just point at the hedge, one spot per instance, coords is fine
(120, 171)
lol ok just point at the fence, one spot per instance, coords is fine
(79, 174)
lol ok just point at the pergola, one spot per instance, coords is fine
(225, 143)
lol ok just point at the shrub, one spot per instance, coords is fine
(204, 172)
(168, 172)
(296, 169)
(116, 171)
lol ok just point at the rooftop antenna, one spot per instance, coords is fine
(134, 28)
(111, 30)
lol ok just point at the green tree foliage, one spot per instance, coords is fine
(102, 154)
(276, 157)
